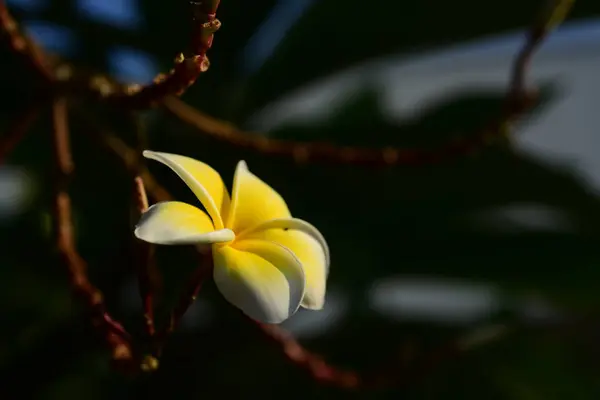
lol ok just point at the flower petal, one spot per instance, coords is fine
(263, 279)
(205, 182)
(308, 245)
(253, 201)
(174, 222)
(289, 223)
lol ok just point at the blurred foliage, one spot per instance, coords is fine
(396, 221)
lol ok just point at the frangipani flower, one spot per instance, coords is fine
(266, 263)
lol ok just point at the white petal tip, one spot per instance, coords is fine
(242, 165)
(143, 233)
(140, 234)
(152, 155)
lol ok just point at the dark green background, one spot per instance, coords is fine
(47, 349)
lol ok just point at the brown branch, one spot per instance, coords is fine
(129, 156)
(187, 298)
(554, 12)
(147, 278)
(397, 376)
(131, 159)
(115, 335)
(147, 273)
(145, 263)
(191, 291)
(188, 65)
(518, 101)
(38, 62)
(302, 152)
(141, 199)
(22, 45)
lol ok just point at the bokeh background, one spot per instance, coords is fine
(497, 250)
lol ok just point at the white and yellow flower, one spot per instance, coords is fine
(266, 263)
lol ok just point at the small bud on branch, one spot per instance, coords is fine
(188, 65)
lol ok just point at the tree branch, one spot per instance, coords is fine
(329, 153)
(115, 335)
(22, 45)
(187, 297)
(518, 101)
(553, 13)
(145, 271)
(188, 65)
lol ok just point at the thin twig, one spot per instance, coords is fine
(115, 335)
(188, 65)
(145, 252)
(129, 157)
(141, 199)
(518, 101)
(303, 152)
(137, 97)
(187, 298)
(22, 45)
(553, 13)
(396, 376)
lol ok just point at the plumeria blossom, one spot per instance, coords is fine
(266, 263)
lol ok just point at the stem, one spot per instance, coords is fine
(330, 153)
(518, 101)
(145, 263)
(188, 65)
(24, 46)
(396, 376)
(200, 274)
(554, 12)
(115, 335)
